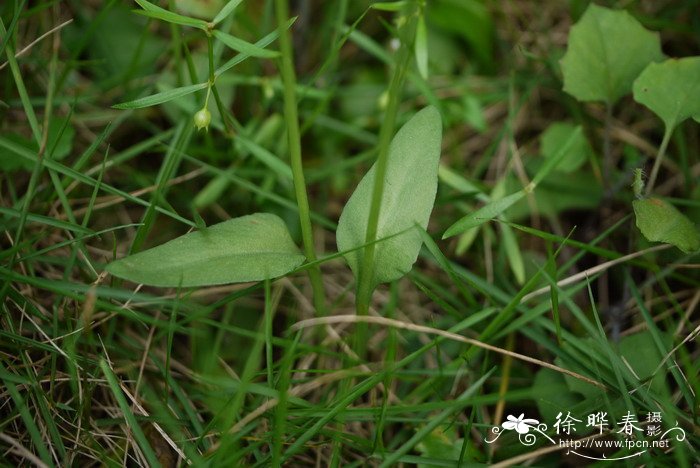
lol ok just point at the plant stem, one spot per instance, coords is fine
(365, 286)
(292, 121)
(659, 158)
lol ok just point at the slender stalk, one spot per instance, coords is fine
(657, 162)
(292, 121)
(365, 286)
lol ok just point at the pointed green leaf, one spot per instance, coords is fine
(513, 253)
(160, 98)
(249, 248)
(226, 10)
(409, 194)
(156, 12)
(671, 89)
(244, 47)
(265, 41)
(660, 221)
(556, 137)
(607, 50)
(389, 6)
(421, 48)
(483, 214)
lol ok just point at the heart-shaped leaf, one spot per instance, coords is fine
(662, 222)
(410, 186)
(249, 248)
(607, 50)
(671, 89)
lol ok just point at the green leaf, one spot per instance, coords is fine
(421, 48)
(607, 50)
(660, 221)
(643, 356)
(551, 394)
(160, 98)
(410, 186)
(389, 6)
(555, 160)
(671, 89)
(513, 254)
(267, 40)
(556, 136)
(47, 220)
(226, 10)
(239, 45)
(249, 248)
(483, 214)
(156, 12)
(456, 181)
(440, 444)
(59, 145)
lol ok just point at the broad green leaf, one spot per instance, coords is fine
(160, 98)
(421, 48)
(642, 354)
(59, 145)
(410, 186)
(239, 45)
(607, 50)
(249, 248)
(440, 444)
(483, 214)
(156, 12)
(226, 10)
(551, 394)
(555, 160)
(660, 221)
(556, 136)
(671, 89)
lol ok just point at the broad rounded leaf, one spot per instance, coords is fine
(556, 137)
(249, 248)
(607, 50)
(671, 89)
(410, 186)
(662, 222)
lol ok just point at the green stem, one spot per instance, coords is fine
(292, 121)
(365, 286)
(659, 158)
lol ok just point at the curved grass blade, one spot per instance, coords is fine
(160, 98)
(156, 12)
(483, 214)
(244, 47)
(226, 10)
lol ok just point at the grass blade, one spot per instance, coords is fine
(160, 98)
(156, 12)
(245, 47)
(128, 415)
